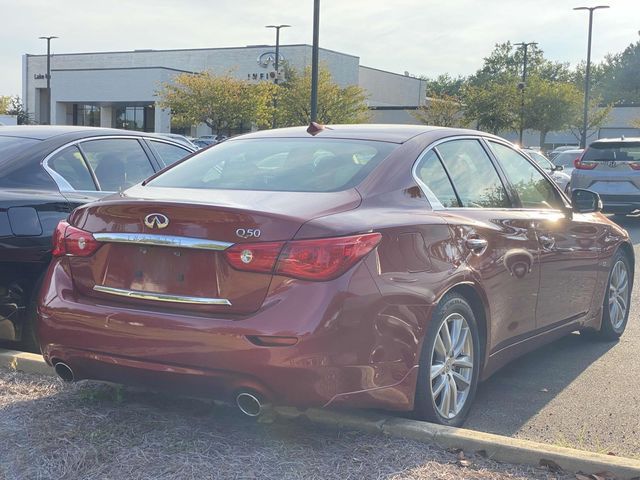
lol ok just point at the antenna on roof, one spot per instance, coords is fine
(314, 128)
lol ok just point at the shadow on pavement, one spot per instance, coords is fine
(520, 390)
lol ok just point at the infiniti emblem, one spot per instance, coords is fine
(156, 220)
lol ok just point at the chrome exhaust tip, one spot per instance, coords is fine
(249, 404)
(64, 372)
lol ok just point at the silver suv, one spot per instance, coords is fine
(611, 167)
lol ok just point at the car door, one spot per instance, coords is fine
(568, 242)
(497, 242)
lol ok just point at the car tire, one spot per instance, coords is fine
(29, 338)
(449, 367)
(617, 299)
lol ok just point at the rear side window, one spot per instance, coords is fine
(622, 151)
(118, 163)
(168, 153)
(473, 175)
(278, 164)
(534, 190)
(431, 172)
(70, 165)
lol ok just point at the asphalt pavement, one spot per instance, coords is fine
(574, 392)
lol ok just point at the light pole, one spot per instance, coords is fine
(314, 60)
(587, 80)
(525, 46)
(275, 97)
(48, 39)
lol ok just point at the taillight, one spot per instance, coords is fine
(254, 257)
(635, 165)
(73, 242)
(580, 165)
(318, 259)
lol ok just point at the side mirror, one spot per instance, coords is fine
(585, 201)
(558, 168)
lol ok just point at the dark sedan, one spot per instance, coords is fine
(45, 172)
(366, 266)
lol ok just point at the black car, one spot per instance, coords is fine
(46, 172)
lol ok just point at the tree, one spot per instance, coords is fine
(219, 101)
(23, 117)
(620, 83)
(335, 104)
(5, 101)
(493, 107)
(596, 117)
(445, 86)
(550, 106)
(441, 111)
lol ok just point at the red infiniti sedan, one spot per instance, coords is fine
(380, 266)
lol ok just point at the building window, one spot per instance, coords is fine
(130, 117)
(86, 115)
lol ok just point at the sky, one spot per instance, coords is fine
(423, 37)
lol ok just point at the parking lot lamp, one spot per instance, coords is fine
(48, 112)
(525, 46)
(275, 65)
(587, 79)
(314, 60)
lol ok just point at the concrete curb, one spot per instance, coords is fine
(24, 362)
(496, 447)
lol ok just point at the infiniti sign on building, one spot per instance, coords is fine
(117, 89)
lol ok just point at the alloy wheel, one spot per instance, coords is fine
(452, 360)
(618, 294)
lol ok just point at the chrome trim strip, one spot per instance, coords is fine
(162, 240)
(161, 297)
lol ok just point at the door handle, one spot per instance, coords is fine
(476, 245)
(547, 242)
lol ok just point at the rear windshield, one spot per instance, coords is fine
(11, 145)
(278, 164)
(619, 151)
(566, 158)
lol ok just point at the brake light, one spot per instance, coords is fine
(319, 259)
(325, 258)
(73, 242)
(580, 165)
(635, 165)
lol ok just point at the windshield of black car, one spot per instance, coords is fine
(11, 145)
(613, 151)
(278, 164)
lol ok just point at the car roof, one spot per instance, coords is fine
(44, 132)
(393, 133)
(616, 140)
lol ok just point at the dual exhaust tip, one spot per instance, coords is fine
(248, 403)
(64, 372)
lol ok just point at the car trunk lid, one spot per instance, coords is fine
(169, 254)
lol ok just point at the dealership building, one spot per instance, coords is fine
(118, 89)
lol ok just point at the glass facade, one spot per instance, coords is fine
(86, 115)
(134, 117)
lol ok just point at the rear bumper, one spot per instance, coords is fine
(341, 357)
(620, 203)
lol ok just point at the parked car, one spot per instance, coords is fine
(203, 143)
(386, 266)
(558, 150)
(186, 141)
(554, 171)
(611, 167)
(567, 159)
(45, 172)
